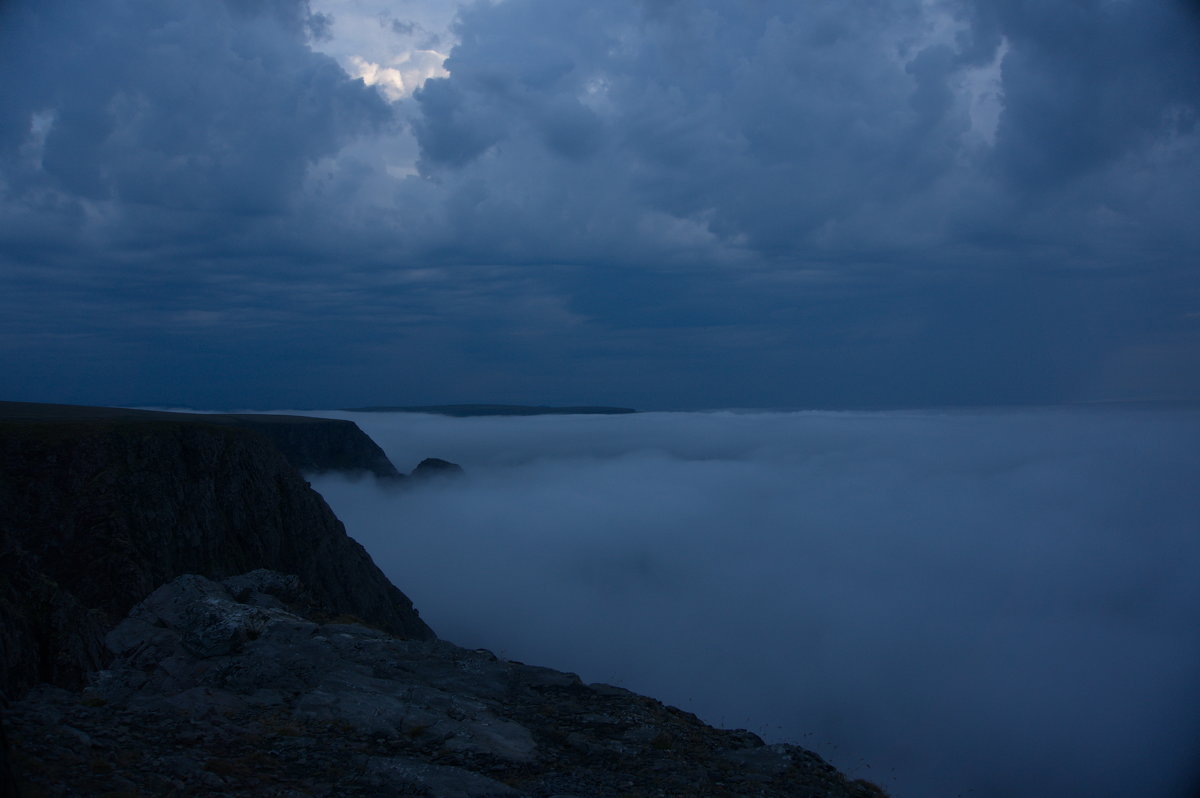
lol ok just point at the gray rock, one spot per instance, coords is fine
(768, 759)
(344, 709)
(441, 781)
(264, 588)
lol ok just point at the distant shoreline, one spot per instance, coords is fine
(462, 411)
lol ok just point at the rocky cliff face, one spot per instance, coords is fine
(235, 688)
(100, 512)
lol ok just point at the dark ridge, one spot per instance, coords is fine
(463, 411)
(100, 508)
(312, 445)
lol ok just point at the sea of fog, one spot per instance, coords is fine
(967, 603)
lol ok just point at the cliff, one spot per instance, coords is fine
(183, 615)
(101, 510)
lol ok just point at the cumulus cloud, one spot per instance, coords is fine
(404, 75)
(151, 155)
(836, 204)
(989, 604)
(1081, 92)
(808, 129)
(213, 111)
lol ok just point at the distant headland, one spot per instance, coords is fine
(463, 411)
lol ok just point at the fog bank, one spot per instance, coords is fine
(984, 604)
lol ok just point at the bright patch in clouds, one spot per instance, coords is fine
(406, 73)
(396, 46)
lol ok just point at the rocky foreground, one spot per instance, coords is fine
(241, 688)
(182, 615)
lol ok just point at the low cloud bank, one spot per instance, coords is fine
(984, 604)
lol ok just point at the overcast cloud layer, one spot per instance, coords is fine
(993, 605)
(655, 203)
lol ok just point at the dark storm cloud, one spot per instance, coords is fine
(854, 203)
(320, 26)
(810, 130)
(1087, 84)
(1027, 165)
(991, 604)
(171, 107)
(149, 153)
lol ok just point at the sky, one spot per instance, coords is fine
(665, 204)
(994, 604)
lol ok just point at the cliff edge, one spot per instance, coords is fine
(101, 510)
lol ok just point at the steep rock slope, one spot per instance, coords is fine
(233, 688)
(98, 512)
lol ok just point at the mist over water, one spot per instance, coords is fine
(982, 604)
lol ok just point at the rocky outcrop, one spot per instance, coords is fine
(237, 688)
(435, 467)
(98, 512)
